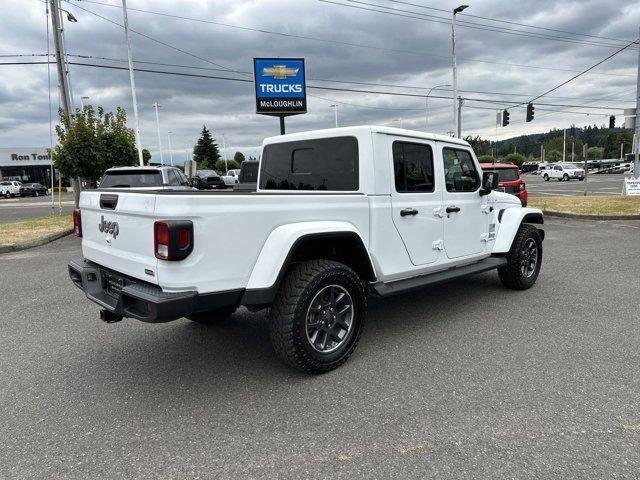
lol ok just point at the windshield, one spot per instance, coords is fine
(132, 179)
(504, 174)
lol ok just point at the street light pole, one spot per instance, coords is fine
(155, 105)
(335, 113)
(133, 83)
(170, 152)
(455, 68)
(426, 104)
(636, 163)
(224, 153)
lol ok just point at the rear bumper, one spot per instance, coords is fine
(128, 297)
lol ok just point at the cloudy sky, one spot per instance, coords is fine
(509, 51)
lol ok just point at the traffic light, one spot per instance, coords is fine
(505, 118)
(612, 121)
(530, 111)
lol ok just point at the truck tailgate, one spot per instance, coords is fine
(117, 231)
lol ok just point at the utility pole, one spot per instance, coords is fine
(573, 155)
(63, 85)
(455, 68)
(460, 101)
(63, 80)
(622, 151)
(636, 163)
(564, 145)
(133, 85)
(224, 153)
(170, 152)
(335, 113)
(155, 105)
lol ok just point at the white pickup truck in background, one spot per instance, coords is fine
(563, 172)
(338, 215)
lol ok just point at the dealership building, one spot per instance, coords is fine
(29, 165)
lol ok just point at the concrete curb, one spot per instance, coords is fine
(553, 213)
(36, 243)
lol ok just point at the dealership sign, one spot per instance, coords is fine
(280, 86)
(632, 186)
(19, 157)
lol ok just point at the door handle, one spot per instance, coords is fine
(452, 209)
(408, 211)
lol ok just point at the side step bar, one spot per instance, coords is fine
(401, 286)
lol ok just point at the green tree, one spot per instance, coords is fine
(485, 159)
(553, 156)
(239, 157)
(91, 141)
(146, 156)
(480, 146)
(595, 153)
(515, 158)
(221, 167)
(206, 151)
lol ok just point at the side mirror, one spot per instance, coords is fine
(489, 182)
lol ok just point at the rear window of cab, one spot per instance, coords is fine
(504, 174)
(320, 164)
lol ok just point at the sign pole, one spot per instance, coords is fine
(585, 153)
(281, 124)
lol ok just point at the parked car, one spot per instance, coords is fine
(563, 172)
(208, 180)
(529, 167)
(339, 214)
(26, 190)
(38, 188)
(10, 188)
(231, 178)
(248, 178)
(509, 179)
(146, 178)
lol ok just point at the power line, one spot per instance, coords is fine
(343, 43)
(313, 87)
(579, 74)
(353, 82)
(446, 21)
(509, 22)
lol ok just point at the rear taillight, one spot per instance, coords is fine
(77, 223)
(523, 186)
(172, 239)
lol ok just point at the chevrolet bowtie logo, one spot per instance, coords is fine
(280, 72)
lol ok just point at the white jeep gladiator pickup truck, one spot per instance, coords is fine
(338, 215)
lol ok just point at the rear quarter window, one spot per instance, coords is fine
(320, 164)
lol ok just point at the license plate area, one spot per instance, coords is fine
(113, 284)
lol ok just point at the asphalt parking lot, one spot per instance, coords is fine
(596, 185)
(20, 208)
(463, 380)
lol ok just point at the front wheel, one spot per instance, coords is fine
(546, 177)
(317, 317)
(523, 260)
(565, 177)
(213, 316)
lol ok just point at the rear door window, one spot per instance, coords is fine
(413, 167)
(320, 164)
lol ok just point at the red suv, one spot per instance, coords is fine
(509, 179)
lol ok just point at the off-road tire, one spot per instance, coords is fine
(213, 316)
(511, 275)
(288, 315)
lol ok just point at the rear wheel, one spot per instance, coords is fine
(523, 260)
(317, 317)
(213, 316)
